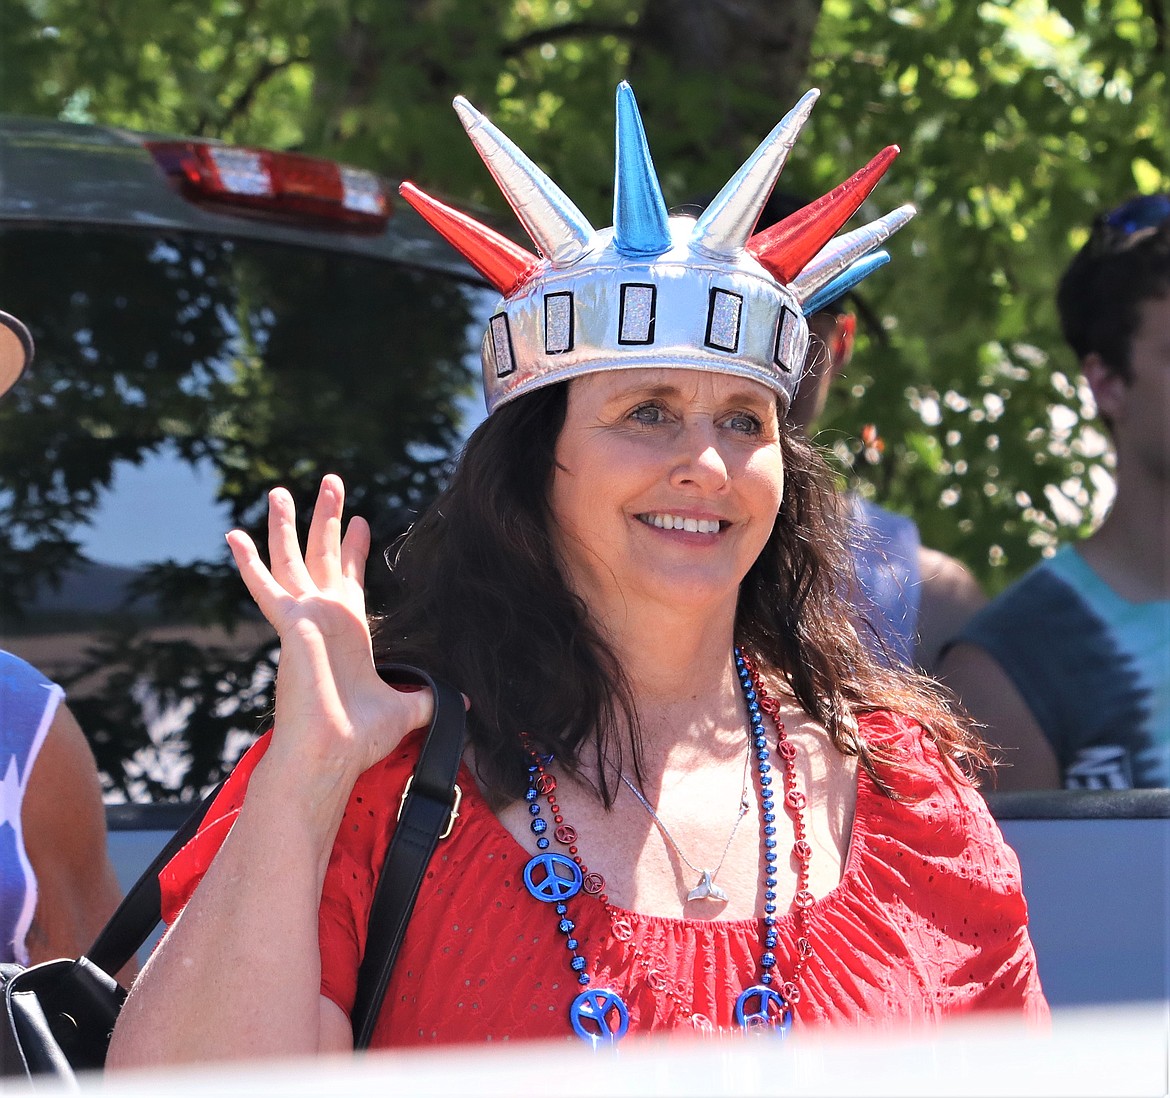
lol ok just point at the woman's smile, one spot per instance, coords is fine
(679, 522)
(667, 486)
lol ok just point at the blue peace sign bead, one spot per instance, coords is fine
(552, 877)
(599, 1015)
(761, 1007)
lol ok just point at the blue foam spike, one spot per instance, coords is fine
(640, 218)
(845, 281)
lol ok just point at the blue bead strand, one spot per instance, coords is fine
(761, 1006)
(597, 1016)
(539, 826)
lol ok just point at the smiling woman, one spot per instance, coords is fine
(635, 575)
(694, 457)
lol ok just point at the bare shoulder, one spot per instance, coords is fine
(64, 791)
(950, 597)
(989, 695)
(64, 826)
(949, 575)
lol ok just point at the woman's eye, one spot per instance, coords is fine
(744, 422)
(647, 413)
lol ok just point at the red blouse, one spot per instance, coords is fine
(927, 921)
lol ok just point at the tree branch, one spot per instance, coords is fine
(581, 29)
(1157, 12)
(243, 101)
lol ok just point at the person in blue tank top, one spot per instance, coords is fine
(57, 885)
(1069, 668)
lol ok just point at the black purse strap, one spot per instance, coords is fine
(428, 809)
(141, 908)
(426, 814)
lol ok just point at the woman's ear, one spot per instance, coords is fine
(1109, 388)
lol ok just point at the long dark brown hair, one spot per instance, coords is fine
(481, 601)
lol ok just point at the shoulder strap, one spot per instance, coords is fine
(429, 807)
(141, 908)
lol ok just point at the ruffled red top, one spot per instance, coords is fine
(928, 921)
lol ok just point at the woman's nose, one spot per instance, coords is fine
(700, 461)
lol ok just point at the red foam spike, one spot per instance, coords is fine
(786, 247)
(501, 261)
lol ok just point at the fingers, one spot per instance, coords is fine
(267, 593)
(284, 548)
(418, 705)
(355, 548)
(323, 548)
(329, 563)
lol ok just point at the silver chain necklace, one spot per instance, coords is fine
(706, 888)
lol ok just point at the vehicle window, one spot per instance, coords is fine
(177, 379)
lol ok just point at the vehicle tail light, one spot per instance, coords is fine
(275, 183)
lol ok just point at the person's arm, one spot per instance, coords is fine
(64, 827)
(238, 974)
(989, 695)
(950, 596)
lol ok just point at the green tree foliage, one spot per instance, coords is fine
(1019, 120)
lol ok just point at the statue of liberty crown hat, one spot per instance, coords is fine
(16, 351)
(657, 290)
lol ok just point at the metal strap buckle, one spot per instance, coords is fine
(454, 807)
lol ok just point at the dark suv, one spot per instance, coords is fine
(209, 321)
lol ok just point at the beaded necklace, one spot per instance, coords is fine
(598, 1015)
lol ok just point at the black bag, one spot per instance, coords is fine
(58, 1015)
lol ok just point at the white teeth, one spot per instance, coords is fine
(677, 522)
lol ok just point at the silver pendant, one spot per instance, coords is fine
(706, 889)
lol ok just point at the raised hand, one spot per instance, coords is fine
(332, 709)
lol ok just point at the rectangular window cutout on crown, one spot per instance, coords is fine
(723, 312)
(788, 332)
(558, 323)
(502, 345)
(636, 322)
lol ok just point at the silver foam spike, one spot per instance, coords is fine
(555, 224)
(725, 225)
(844, 250)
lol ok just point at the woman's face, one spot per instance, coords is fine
(667, 485)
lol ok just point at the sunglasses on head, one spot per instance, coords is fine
(1143, 212)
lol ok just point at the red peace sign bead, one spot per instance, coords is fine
(786, 750)
(804, 899)
(622, 930)
(770, 706)
(795, 799)
(802, 851)
(593, 883)
(791, 993)
(546, 783)
(566, 834)
(804, 947)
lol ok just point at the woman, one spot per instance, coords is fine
(783, 834)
